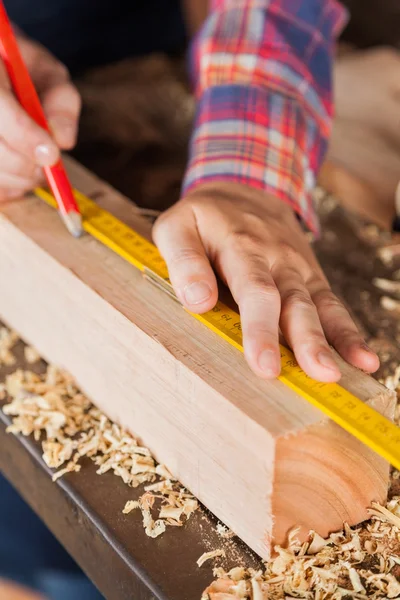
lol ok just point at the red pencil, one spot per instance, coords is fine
(29, 100)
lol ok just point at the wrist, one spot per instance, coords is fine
(239, 193)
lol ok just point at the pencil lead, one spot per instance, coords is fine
(73, 222)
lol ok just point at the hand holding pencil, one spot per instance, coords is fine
(27, 149)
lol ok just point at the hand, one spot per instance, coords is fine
(13, 591)
(24, 146)
(256, 245)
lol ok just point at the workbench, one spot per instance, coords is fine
(84, 510)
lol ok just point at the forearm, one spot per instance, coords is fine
(262, 72)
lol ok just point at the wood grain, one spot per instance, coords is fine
(255, 453)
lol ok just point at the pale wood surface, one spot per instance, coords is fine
(241, 445)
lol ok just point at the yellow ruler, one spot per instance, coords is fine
(362, 421)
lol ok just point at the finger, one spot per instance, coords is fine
(62, 106)
(301, 326)
(191, 274)
(22, 134)
(14, 186)
(60, 98)
(15, 163)
(342, 332)
(246, 272)
(10, 183)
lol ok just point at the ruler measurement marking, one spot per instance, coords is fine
(359, 419)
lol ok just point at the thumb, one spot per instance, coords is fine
(191, 274)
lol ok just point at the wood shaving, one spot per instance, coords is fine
(210, 556)
(387, 285)
(388, 253)
(225, 532)
(354, 563)
(130, 506)
(174, 506)
(171, 512)
(392, 381)
(153, 528)
(51, 408)
(32, 356)
(8, 339)
(389, 303)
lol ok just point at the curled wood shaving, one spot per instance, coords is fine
(316, 544)
(385, 514)
(51, 408)
(171, 512)
(209, 556)
(153, 528)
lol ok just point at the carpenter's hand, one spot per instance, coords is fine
(24, 146)
(12, 591)
(258, 248)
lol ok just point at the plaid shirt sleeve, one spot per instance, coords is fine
(262, 72)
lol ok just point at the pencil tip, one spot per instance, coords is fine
(73, 222)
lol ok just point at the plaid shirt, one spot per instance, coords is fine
(262, 71)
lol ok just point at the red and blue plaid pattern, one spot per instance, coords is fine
(262, 72)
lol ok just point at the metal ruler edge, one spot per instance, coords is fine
(349, 412)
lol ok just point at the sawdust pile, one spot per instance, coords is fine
(52, 409)
(362, 563)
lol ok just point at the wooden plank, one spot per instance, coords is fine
(256, 454)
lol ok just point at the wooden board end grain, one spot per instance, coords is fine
(255, 453)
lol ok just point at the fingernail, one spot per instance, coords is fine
(44, 155)
(197, 292)
(326, 360)
(268, 363)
